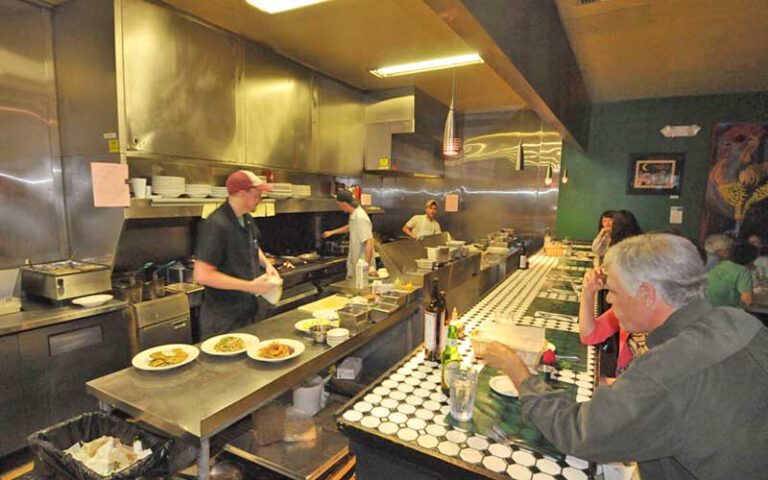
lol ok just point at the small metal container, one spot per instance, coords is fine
(319, 332)
(353, 317)
(398, 297)
(382, 310)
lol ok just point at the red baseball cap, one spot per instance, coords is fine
(245, 180)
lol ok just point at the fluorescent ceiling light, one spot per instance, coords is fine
(427, 65)
(277, 6)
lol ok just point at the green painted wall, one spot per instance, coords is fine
(598, 177)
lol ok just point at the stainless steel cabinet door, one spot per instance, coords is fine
(180, 84)
(58, 360)
(13, 421)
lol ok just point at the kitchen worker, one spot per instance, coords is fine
(419, 226)
(360, 231)
(693, 406)
(230, 263)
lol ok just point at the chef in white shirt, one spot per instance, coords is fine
(360, 231)
(420, 226)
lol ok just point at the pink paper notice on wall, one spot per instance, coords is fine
(365, 199)
(109, 185)
(452, 202)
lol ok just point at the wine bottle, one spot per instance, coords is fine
(444, 321)
(523, 265)
(433, 319)
(450, 358)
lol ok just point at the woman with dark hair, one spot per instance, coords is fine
(603, 239)
(597, 330)
(624, 226)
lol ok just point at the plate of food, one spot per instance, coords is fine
(228, 344)
(304, 325)
(276, 350)
(165, 357)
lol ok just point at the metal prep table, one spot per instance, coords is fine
(196, 401)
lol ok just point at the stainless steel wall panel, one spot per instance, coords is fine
(84, 40)
(340, 128)
(31, 210)
(278, 105)
(180, 80)
(94, 232)
(492, 193)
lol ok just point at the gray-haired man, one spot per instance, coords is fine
(693, 407)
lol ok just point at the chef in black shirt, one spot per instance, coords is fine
(230, 263)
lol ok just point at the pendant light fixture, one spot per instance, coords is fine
(548, 176)
(520, 160)
(451, 141)
(564, 176)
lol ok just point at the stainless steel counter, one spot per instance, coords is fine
(210, 394)
(39, 314)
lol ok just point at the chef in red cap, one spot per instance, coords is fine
(230, 263)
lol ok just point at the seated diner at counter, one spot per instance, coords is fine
(692, 407)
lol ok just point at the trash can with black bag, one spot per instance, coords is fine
(53, 463)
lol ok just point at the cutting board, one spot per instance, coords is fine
(334, 302)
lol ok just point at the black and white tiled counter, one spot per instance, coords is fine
(407, 411)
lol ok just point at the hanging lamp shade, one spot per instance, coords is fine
(451, 141)
(548, 176)
(520, 160)
(564, 177)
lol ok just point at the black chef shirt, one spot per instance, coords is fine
(233, 250)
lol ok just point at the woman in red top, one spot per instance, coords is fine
(596, 330)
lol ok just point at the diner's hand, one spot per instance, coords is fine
(594, 280)
(328, 233)
(501, 357)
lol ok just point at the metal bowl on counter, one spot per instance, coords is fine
(319, 332)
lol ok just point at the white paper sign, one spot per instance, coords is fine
(676, 215)
(452, 202)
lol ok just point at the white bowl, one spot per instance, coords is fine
(338, 334)
(93, 300)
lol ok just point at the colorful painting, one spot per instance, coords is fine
(737, 186)
(655, 174)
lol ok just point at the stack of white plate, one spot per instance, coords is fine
(336, 336)
(219, 192)
(301, 191)
(280, 190)
(197, 190)
(167, 186)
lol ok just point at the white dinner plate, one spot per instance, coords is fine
(304, 325)
(297, 346)
(209, 346)
(503, 386)
(141, 360)
(93, 300)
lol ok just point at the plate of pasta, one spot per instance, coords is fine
(228, 344)
(165, 357)
(276, 350)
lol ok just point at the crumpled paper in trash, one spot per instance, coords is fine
(107, 455)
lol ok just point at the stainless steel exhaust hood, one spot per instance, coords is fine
(404, 129)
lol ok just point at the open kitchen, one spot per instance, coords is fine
(238, 241)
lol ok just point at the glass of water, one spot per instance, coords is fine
(463, 385)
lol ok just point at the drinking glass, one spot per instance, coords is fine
(463, 386)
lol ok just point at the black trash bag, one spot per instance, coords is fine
(51, 462)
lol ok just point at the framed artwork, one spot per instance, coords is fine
(655, 173)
